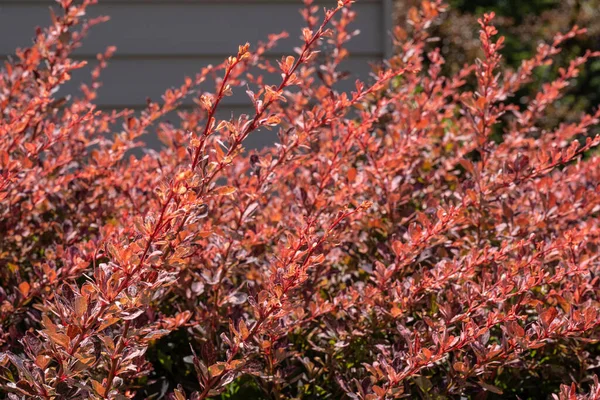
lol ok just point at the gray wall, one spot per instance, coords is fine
(159, 42)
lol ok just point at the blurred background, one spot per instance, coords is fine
(525, 23)
(159, 42)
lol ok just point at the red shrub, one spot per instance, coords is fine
(420, 236)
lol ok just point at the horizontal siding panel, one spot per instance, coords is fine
(130, 82)
(159, 42)
(186, 28)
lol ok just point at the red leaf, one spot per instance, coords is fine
(547, 316)
(24, 288)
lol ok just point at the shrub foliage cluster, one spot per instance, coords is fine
(524, 24)
(423, 236)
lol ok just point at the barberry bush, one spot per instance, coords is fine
(422, 236)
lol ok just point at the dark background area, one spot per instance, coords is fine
(526, 23)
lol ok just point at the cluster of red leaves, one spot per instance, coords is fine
(420, 235)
